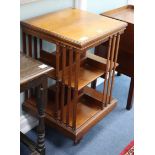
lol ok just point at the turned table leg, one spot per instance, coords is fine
(130, 95)
(41, 102)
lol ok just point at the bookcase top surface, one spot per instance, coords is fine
(74, 25)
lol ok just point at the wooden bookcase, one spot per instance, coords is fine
(73, 107)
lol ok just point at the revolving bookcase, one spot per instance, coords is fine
(73, 107)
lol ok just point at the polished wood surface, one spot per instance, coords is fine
(91, 68)
(76, 26)
(29, 68)
(125, 13)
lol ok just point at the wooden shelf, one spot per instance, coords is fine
(87, 107)
(92, 67)
(87, 74)
(88, 115)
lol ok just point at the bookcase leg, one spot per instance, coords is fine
(75, 100)
(69, 86)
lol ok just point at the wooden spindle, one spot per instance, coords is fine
(75, 100)
(63, 81)
(106, 74)
(24, 51)
(57, 80)
(35, 48)
(30, 54)
(30, 45)
(93, 84)
(24, 42)
(69, 86)
(40, 44)
(115, 60)
(110, 70)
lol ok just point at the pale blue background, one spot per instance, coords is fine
(99, 6)
(44, 6)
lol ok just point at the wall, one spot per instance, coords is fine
(43, 6)
(131, 2)
(100, 6)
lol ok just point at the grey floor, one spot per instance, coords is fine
(108, 137)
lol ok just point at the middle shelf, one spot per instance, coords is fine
(91, 67)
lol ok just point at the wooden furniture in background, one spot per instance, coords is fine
(126, 50)
(32, 76)
(73, 107)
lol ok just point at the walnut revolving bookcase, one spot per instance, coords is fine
(73, 107)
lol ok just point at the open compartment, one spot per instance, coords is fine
(88, 112)
(88, 105)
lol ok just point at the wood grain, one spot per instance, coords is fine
(29, 69)
(63, 24)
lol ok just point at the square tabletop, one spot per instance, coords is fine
(31, 68)
(74, 25)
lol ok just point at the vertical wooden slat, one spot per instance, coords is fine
(40, 44)
(110, 70)
(35, 48)
(24, 51)
(57, 79)
(35, 57)
(77, 68)
(107, 68)
(63, 82)
(30, 45)
(24, 42)
(30, 54)
(69, 86)
(115, 60)
(93, 84)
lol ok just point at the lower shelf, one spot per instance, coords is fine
(88, 114)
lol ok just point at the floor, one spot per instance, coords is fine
(108, 137)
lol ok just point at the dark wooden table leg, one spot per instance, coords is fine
(41, 103)
(130, 95)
